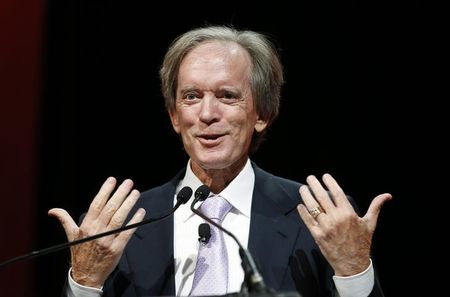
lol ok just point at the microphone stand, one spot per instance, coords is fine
(183, 196)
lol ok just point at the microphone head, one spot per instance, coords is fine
(184, 195)
(204, 232)
(202, 193)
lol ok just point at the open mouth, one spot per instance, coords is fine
(210, 139)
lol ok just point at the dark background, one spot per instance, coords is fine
(357, 103)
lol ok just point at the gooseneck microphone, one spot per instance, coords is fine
(253, 280)
(183, 196)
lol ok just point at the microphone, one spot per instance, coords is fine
(204, 233)
(253, 280)
(183, 196)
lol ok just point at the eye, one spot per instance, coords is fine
(229, 95)
(190, 96)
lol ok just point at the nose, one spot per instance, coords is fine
(209, 110)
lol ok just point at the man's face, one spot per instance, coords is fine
(214, 113)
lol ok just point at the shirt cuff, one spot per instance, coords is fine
(358, 285)
(76, 290)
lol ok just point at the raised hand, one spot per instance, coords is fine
(344, 238)
(94, 260)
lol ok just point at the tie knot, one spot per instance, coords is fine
(215, 207)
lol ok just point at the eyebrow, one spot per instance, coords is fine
(188, 89)
(221, 89)
(233, 90)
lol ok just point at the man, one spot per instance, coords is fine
(222, 91)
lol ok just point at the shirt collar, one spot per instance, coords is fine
(238, 193)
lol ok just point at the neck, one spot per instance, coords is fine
(218, 179)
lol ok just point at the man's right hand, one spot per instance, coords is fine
(93, 261)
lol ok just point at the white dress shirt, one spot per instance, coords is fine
(239, 194)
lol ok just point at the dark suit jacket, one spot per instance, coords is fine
(279, 241)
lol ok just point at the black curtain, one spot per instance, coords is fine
(354, 94)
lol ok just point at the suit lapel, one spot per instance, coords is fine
(274, 228)
(151, 258)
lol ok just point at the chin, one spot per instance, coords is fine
(213, 162)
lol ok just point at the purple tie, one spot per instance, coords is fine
(211, 270)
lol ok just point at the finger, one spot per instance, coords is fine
(69, 225)
(310, 222)
(99, 201)
(336, 192)
(374, 210)
(115, 202)
(121, 214)
(310, 202)
(308, 198)
(320, 193)
(123, 238)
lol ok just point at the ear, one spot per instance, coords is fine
(175, 121)
(260, 125)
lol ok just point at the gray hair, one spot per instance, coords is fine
(266, 77)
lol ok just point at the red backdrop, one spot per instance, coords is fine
(21, 24)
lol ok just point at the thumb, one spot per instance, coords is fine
(69, 225)
(374, 210)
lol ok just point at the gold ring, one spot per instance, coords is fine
(316, 211)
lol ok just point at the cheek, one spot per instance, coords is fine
(250, 123)
(186, 119)
(245, 131)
